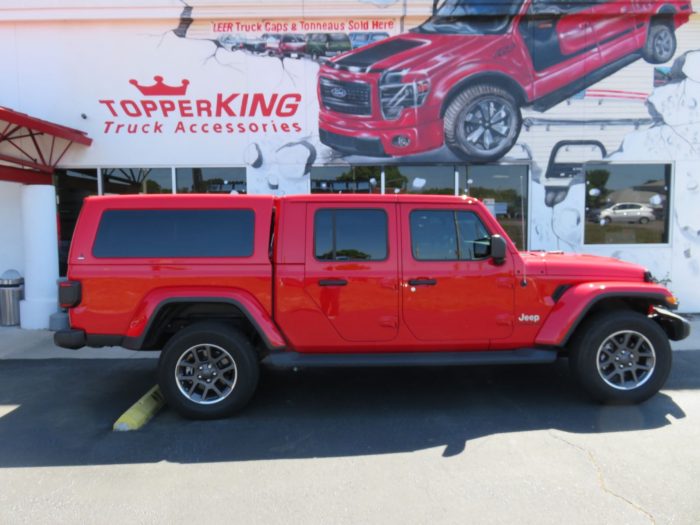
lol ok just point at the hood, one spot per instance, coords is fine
(417, 51)
(560, 264)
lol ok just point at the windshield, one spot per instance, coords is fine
(471, 17)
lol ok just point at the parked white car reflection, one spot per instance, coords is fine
(627, 212)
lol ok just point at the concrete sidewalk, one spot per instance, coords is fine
(16, 343)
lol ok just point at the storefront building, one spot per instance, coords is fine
(577, 123)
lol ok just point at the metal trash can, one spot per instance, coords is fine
(11, 293)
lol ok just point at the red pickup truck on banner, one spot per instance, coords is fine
(460, 78)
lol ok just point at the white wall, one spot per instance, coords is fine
(11, 244)
(82, 66)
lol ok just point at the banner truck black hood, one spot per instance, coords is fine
(365, 58)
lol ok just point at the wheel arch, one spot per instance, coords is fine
(174, 313)
(611, 303)
(563, 322)
(663, 13)
(494, 78)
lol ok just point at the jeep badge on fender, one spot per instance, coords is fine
(525, 318)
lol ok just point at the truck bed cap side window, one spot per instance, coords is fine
(175, 233)
(350, 235)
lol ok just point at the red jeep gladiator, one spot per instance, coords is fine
(224, 283)
(461, 77)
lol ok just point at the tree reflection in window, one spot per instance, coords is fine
(503, 189)
(345, 179)
(125, 181)
(350, 234)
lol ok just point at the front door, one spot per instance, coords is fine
(452, 290)
(352, 269)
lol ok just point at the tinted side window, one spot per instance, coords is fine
(175, 233)
(433, 235)
(350, 235)
(474, 239)
(448, 235)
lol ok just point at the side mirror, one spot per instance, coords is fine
(498, 249)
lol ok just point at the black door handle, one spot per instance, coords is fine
(332, 282)
(422, 282)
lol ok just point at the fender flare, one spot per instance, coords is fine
(665, 9)
(495, 77)
(255, 313)
(577, 301)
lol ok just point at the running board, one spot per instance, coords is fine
(494, 357)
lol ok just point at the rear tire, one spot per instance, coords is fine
(620, 357)
(208, 371)
(661, 43)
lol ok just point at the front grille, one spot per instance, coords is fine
(353, 98)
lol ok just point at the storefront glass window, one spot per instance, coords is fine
(420, 179)
(627, 204)
(126, 181)
(503, 189)
(211, 180)
(72, 186)
(345, 179)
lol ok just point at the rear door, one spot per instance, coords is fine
(352, 268)
(451, 289)
(560, 41)
(615, 27)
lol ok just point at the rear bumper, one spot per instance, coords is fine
(71, 339)
(675, 326)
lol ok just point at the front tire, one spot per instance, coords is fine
(208, 371)
(661, 43)
(482, 123)
(620, 357)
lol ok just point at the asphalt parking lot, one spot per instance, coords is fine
(474, 445)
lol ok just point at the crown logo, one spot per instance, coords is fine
(160, 88)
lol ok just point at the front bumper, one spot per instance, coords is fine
(351, 145)
(364, 138)
(675, 326)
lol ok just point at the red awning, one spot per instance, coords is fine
(22, 157)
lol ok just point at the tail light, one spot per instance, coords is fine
(69, 294)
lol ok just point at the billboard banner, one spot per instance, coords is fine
(452, 81)
(282, 87)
